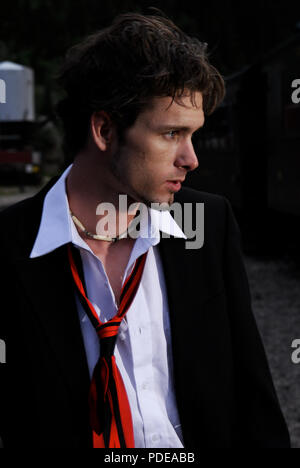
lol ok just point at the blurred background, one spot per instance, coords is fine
(248, 150)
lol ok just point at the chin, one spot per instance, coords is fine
(169, 199)
(147, 199)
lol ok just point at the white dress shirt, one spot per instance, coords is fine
(143, 347)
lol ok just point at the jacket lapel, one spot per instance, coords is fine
(47, 281)
(195, 299)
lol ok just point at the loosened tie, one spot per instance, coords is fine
(110, 414)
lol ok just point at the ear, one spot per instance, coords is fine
(101, 129)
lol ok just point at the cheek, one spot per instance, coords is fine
(159, 159)
(145, 161)
(153, 169)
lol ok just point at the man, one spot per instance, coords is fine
(139, 341)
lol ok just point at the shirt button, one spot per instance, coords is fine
(155, 437)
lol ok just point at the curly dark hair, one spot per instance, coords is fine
(121, 68)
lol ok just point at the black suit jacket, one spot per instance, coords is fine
(223, 385)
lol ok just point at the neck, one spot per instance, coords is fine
(88, 185)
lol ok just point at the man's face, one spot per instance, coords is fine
(158, 152)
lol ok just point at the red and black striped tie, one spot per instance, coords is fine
(110, 415)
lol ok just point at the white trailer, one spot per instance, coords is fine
(17, 121)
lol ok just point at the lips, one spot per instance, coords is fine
(174, 185)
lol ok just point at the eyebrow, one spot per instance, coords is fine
(179, 127)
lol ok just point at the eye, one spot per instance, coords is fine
(172, 134)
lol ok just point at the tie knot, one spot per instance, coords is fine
(108, 329)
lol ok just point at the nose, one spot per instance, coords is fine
(187, 157)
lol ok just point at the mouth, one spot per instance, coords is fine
(174, 185)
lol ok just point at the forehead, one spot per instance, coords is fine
(182, 111)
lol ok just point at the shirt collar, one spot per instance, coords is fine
(57, 227)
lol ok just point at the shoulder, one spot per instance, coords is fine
(217, 219)
(20, 222)
(26, 207)
(216, 207)
(212, 202)
(192, 195)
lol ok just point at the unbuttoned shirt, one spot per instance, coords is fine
(143, 348)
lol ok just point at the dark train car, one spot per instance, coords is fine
(249, 149)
